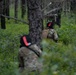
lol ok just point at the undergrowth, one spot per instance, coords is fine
(58, 58)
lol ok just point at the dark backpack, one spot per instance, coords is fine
(50, 25)
(25, 40)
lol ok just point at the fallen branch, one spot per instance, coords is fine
(15, 19)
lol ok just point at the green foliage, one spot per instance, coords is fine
(58, 58)
(9, 46)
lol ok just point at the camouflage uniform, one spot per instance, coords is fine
(45, 33)
(50, 33)
(53, 35)
(28, 59)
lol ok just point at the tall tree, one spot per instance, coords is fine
(16, 9)
(3, 18)
(23, 8)
(1, 6)
(7, 7)
(73, 5)
(35, 20)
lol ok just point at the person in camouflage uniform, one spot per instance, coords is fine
(28, 56)
(29, 53)
(53, 35)
(50, 32)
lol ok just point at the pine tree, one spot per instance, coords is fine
(35, 20)
(3, 18)
(23, 8)
(16, 9)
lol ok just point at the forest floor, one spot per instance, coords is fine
(58, 58)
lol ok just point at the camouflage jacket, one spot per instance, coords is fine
(31, 60)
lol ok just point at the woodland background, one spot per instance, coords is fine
(58, 58)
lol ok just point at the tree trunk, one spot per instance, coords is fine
(7, 7)
(16, 10)
(3, 18)
(35, 20)
(23, 8)
(73, 6)
(1, 6)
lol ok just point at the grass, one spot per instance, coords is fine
(58, 58)
(9, 46)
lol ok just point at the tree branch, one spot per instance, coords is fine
(15, 19)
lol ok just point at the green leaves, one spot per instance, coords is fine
(58, 58)
(9, 46)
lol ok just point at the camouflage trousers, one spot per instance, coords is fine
(29, 61)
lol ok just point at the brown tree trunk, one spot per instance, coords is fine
(35, 20)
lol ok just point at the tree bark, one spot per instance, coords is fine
(73, 6)
(3, 18)
(16, 10)
(35, 20)
(1, 6)
(23, 8)
(7, 8)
